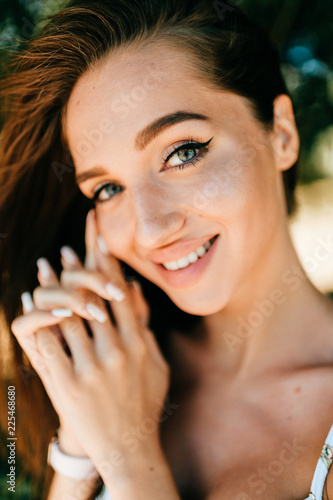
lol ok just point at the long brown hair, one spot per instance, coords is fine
(41, 206)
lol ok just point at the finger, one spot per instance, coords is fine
(78, 341)
(48, 279)
(90, 241)
(81, 304)
(140, 305)
(59, 365)
(153, 348)
(24, 328)
(70, 259)
(94, 281)
(73, 276)
(142, 312)
(72, 329)
(39, 360)
(124, 314)
(46, 275)
(32, 320)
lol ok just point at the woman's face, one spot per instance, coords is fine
(187, 188)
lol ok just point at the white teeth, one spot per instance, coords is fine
(200, 251)
(182, 262)
(171, 266)
(193, 257)
(189, 259)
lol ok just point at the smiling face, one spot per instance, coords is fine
(187, 188)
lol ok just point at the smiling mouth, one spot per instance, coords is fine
(191, 258)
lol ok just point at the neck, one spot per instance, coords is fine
(268, 317)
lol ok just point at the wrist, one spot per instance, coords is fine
(132, 461)
(68, 442)
(144, 475)
(74, 467)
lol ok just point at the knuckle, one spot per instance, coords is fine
(119, 359)
(37, 295)
(93, 374)
(140, 349)
(16, 325)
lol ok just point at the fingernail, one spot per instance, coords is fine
(27, 301)
(114, 292)
(62, 313)
(96, 313)
(44, 268)
(102, 245)
(69, 255)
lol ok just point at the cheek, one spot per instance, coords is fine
(238, 190)
(225, 185)
(114, 227)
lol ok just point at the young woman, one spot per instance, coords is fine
(173, 119)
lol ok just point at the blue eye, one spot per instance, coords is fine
(186, 154)
(107, 191)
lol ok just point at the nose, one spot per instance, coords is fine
(158, 217)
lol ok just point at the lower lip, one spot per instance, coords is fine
(188, 276)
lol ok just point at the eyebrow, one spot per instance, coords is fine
(145, 136)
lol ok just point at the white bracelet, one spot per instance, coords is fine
(68, 465)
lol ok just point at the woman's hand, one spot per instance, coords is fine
(111, 388)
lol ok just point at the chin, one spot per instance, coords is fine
(203, 304)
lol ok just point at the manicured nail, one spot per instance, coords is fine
(102, 245)
(69, 255)
(114, 292)
(62, 313)
(96, 313)
(44, 268)
(27, 301)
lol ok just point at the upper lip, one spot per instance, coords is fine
(178, 250)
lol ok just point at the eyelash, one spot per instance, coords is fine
(188, 145)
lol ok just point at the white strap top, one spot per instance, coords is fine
(323, 465)
(319, 478)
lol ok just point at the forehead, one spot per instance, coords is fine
(134, 75)
(123, 92)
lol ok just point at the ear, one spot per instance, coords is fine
(285, 139)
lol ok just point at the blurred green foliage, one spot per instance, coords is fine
(302, 30)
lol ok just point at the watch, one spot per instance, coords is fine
(68, 465)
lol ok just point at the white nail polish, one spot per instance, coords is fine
(62, 313)
(69, 255)
(44, 268)
(96, 313)
(114, 292)
(27, 301)
(102, 245)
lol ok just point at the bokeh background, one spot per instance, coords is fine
(302, 30)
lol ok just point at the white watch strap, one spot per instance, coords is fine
(73, 467)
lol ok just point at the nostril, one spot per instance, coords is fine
(157, 229)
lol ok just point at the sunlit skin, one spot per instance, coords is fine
(158, 209)
(233, 190)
